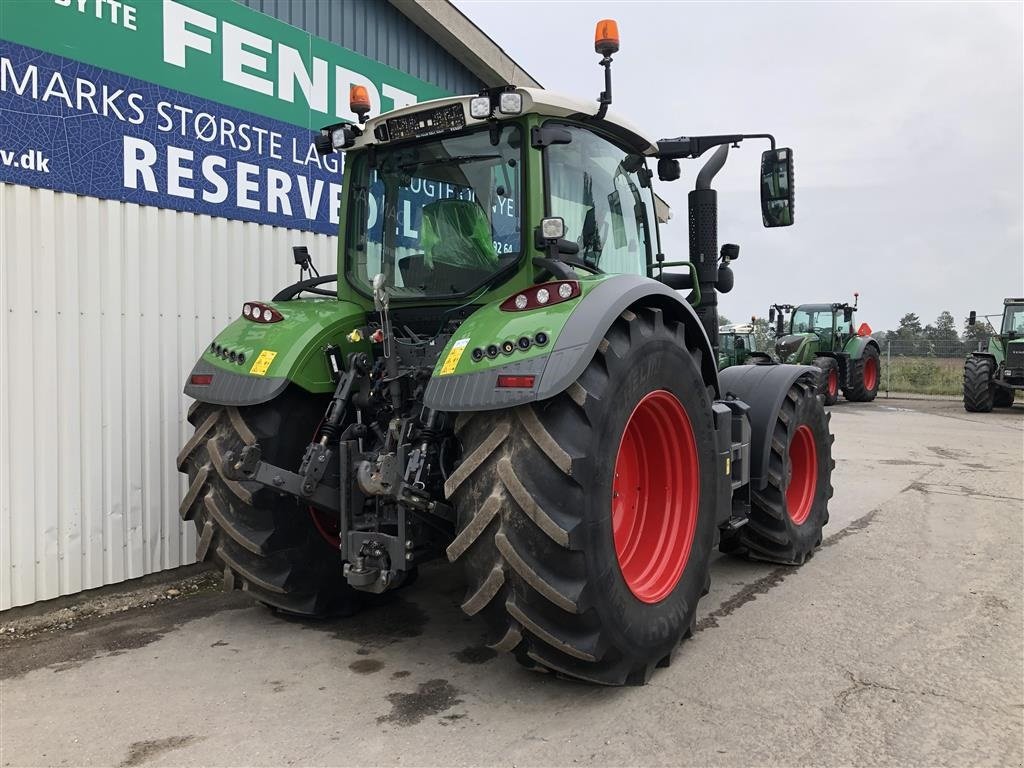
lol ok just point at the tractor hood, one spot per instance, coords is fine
(788, 346)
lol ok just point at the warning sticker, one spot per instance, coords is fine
(453, 357)
(266, 357)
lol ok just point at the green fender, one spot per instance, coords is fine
(270, 356)
(855, 347)
(574, 329)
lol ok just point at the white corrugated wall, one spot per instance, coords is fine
(106, 306)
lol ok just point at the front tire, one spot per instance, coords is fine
(865, 376)
(263, 542)
(1002, 397)
(978, 395)
(558, 506)
(788, 515)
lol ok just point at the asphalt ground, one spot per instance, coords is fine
(900, 643)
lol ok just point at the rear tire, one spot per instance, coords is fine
(787, 517)
(1002, 397)
(265, 543)
(864, 377)
(535, 495)
(978, 395)
(828, 382)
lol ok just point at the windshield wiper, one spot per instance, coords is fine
(455, 159)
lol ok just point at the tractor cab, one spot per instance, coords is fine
(736, 344)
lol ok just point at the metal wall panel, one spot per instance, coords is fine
(378, 30)
(106, 306)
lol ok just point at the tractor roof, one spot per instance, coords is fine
(814, 307)
(737, 328)
(535, 100)
(1013, 301)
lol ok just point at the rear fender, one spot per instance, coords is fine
(276, 354)
(575, 329)
(855, 347)
(763, 388)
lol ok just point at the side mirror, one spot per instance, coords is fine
(847, 315)
(777, 194)
(972, 318)
(771, 315)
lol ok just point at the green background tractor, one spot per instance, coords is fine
(507, 376)
(736, 343)
(992, 375)
(824, 335)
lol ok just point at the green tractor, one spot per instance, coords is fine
(737, 344)
(992, 375)
(507, 376)
(823, 335)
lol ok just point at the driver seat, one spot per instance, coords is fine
(458, 252)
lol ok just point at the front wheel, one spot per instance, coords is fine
(788, 515)
(586, 522)
(978, 395)
(1002, 397)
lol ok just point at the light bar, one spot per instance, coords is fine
(259, 312)
(542, 295)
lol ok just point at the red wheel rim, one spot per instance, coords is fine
(655, 492)
(803, 474)
(870, 373)
(833, 381)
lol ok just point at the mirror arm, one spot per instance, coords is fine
(695, 146)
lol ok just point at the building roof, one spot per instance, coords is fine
(466, 42)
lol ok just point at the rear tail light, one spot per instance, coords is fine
(201, 379)
(507, 381)
(260, 313)
(542, 295)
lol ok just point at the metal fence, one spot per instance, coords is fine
(923, 368)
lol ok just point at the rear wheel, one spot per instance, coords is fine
(978, 395)
(586, 521)
(865, 376)
(828, 382)
(265, 543)
(787, 517)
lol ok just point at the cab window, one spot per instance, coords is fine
(605, 200)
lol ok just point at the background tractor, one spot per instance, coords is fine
(993, 374)
(506, 375)
(823, 335)
(736, 344)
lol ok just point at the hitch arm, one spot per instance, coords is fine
(249, 465)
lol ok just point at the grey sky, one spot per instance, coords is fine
(906, 122)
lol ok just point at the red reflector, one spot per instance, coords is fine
(515, 382)
(201, 379)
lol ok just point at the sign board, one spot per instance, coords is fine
(194, 105)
